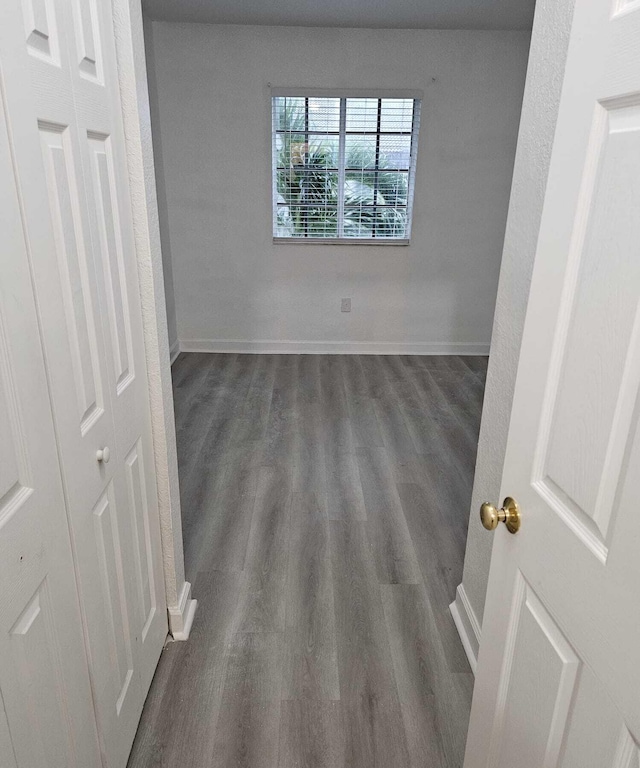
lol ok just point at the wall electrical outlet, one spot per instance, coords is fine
(345, 305)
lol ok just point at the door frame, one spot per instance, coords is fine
(132, 76)
(132, 73)
(541, 99)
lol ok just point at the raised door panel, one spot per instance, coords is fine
(143, 543)
(595, 731)
(43, 671)
(35, 650)
(112, 258)
(15, 474)
(114, 593)
(46, 711)
(552, 711)
(89, 55)
(592, 390)
(41, 30)
(539, 674)
(75, 273)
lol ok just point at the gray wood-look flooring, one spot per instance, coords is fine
(325, 501)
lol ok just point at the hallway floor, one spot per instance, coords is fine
(325, 502)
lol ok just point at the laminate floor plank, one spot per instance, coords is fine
(195, 402)
(433, 696)
(464, 393)
(325, 503)
(311, 735)
(279, 441)
(393, 551)
(440, 563)
(462, 390)
(362, 414)
(198, 431)
(261, 606)
(199, 392)
(179, 718)
(311, 668)
(363, 646)
(434, 363)
(387, 405)
(457, 437)
(417, 662)
(309, 473)
(309, 457)
(478, 364)
(188, 368)
(308, 383)
(374, 730)
(220, 498)
(248, 727)
(454, 492)
(439, 474)
(374, 376)
(337, 434)
(251, 427)
(425, 431)
(344, 499)
(224, 537)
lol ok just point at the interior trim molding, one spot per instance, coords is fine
(181, 618)
(283, 347)
(126, 18)
(174, 351)
(353, 93)
(467, 625)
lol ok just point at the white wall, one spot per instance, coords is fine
(161, 192)
(539, 112)
(233, 286)
(132, 77)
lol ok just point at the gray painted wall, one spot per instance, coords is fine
(400, 14)
(213, 149)
(160, 186)
(537, 128)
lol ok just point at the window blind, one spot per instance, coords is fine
(344, 167)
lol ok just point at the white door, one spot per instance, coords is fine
(46, 711)
(558, 679)
(63, 105)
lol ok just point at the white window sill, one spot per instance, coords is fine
(338, 241)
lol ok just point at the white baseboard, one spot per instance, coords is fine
(467, 625)
(181, 617)
(174, 351)
(334, 347)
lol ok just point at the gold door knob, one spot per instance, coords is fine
(509, 514)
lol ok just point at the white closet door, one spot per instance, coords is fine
(132, 489)
(558, 679)
(63, 107)
(46, 712)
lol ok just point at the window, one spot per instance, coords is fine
(343, 166)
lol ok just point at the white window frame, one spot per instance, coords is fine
(344, 94)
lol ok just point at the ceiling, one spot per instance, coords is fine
(398, 14)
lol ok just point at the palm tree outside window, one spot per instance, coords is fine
(344, 167)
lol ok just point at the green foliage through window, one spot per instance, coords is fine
(343, 167)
